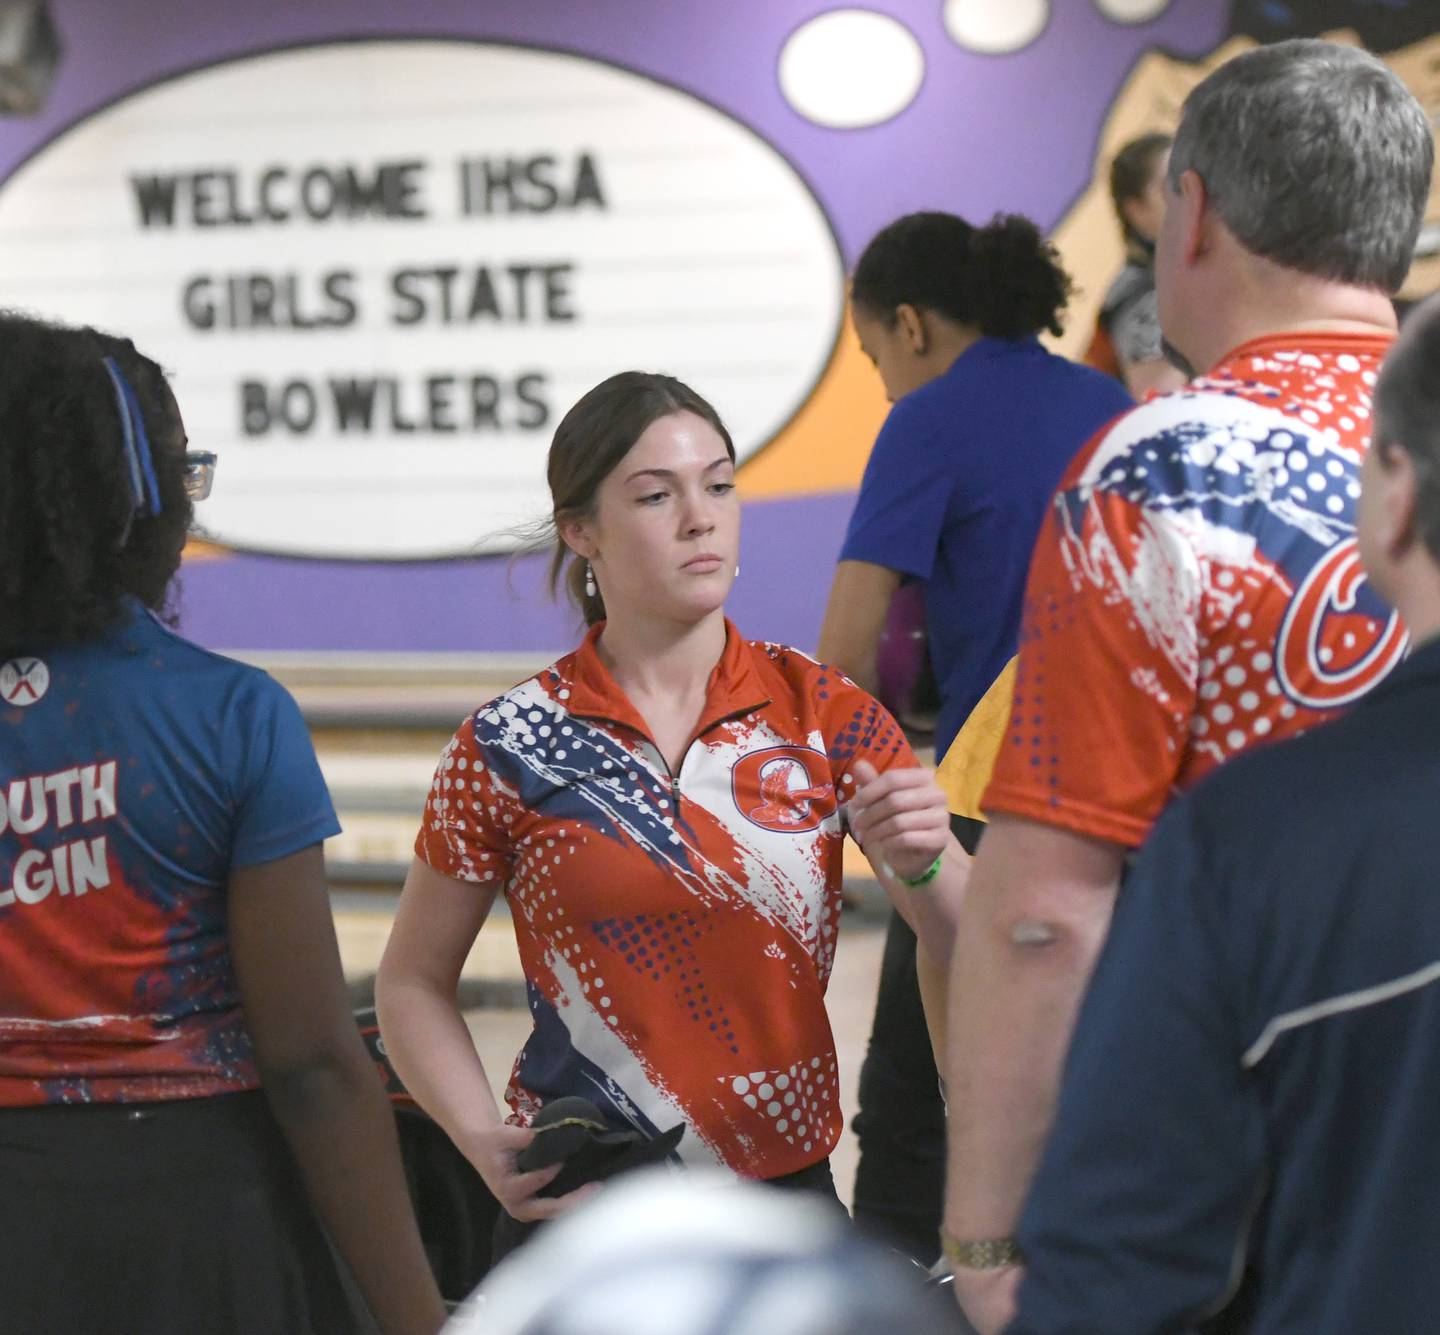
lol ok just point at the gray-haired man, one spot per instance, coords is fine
(1257, 1061)
(1196, 589)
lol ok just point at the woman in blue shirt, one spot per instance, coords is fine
(985, 420)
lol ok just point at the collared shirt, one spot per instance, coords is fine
(1256, 1065)
(136, 770)
(677, 930)
(1197, 588)
(954, 493)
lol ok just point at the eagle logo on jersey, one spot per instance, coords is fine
(786, 789)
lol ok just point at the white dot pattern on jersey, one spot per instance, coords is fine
(796, 1101)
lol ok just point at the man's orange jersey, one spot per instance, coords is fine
(1197, 588)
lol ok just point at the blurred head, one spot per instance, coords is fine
(1398, 523)
(669, 1253)
(1309, 155)
(930, 282)
(1137, 186)
(75, 541)
(642, 480)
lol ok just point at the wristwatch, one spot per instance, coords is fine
(981, 1253)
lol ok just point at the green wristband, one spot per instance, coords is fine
(925, 877)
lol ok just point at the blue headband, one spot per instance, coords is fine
(144, 488)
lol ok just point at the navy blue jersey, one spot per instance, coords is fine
(1256, 1067)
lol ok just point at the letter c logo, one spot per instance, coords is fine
(786, 789)
(1318, 670)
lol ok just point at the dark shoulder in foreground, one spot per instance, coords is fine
(1320, 784)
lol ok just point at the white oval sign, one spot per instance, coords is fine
(381, 271)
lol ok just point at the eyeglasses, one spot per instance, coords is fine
(199, 473)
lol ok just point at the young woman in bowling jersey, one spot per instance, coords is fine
(185, 1102)
(663, 810)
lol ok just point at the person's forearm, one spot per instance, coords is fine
(340, 1127)
(934, 981)
(854, 621)
(429, 1045)
(932, 910)
(1011, 1010)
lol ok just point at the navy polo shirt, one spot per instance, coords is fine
(1256, 1066)
(955, 491)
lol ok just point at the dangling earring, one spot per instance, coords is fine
(737, 569)
(590, 589)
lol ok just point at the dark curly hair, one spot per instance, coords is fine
(1004, 278)
(71, 547)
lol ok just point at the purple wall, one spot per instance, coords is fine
(985, 132)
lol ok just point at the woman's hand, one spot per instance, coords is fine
(899, 818)
(493, 1152)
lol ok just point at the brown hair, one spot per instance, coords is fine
(589, 443)
(1132, 170)
(1407, 413)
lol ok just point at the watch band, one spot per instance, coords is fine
(981, 1253)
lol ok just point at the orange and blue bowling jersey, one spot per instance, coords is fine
(676, 930)
(137, 771)
(1197, 589)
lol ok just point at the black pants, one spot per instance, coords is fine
(511, 1233)
(900, 1180)
(148, 1219)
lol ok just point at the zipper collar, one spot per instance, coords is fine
(734, 688)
